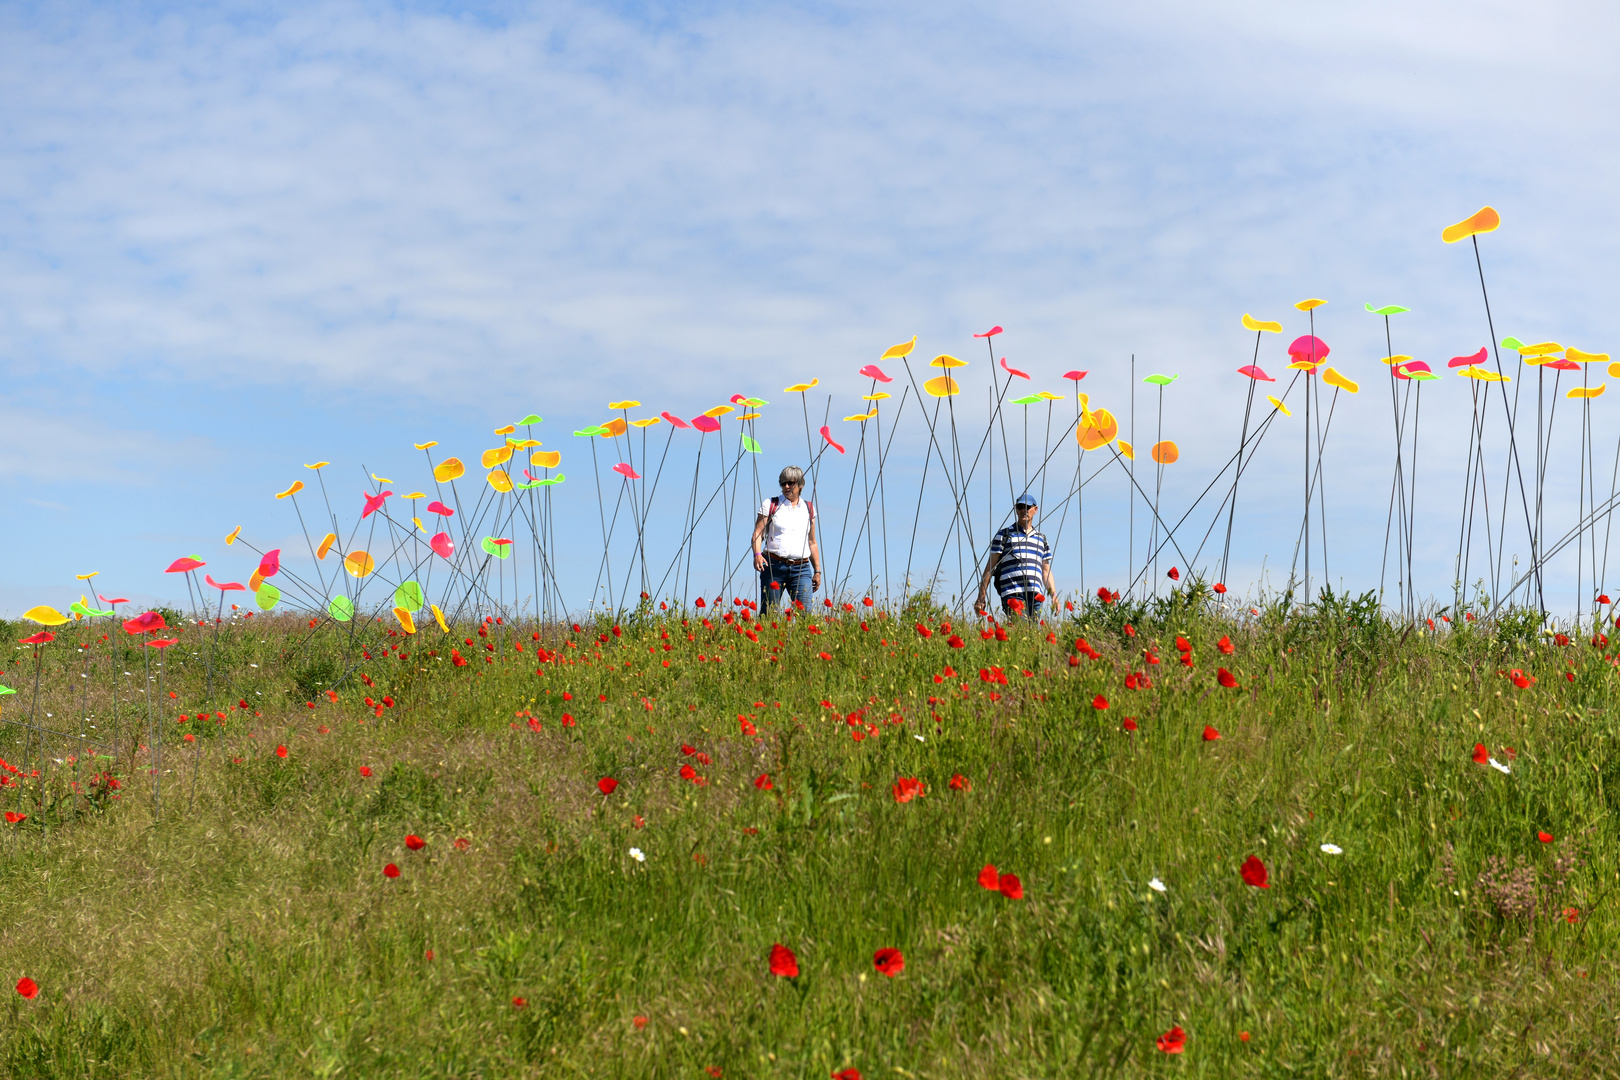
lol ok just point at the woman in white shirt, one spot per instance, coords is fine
(785, 550)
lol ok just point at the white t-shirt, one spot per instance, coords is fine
(787, 533)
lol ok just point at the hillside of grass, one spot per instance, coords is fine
(603, 832)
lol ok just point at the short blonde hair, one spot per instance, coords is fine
(791, 475)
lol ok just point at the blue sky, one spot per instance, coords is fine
(238, 238)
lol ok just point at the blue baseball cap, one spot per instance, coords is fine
(1027, 499)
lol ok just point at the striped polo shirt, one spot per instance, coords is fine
(1022, 556)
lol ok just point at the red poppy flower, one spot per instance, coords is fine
(1182, 644)
(391, 871)
(1130, 681)
(1225, 645)
(1099, 703)
(847, 1074)
(688, 750)
(520, 1003)
(1522, 681)
(714, 1071)
(1129, 724)
(763, 782)
(1226, 678)
(1254, 872)
(1173, 1041)
(687, 772)
(415, 843)
(14, 818)
(783, 963)
(27, 987)
(1220, 589)
(1603, 598)
(960, 783)
(1015, 605)
(1174, 574)
(1130, 631)
(888, 962)
(1482, 756)
(1243, 1036)
(1011, 887)
(1544, 837)
(567, 719)
(281, 751)
(365, 770)
(907, 788)
(825, 655)
(1572, 915)
(606, 785)
(1210, 734)
(639, 1021)
(955, 642)
(462, 843)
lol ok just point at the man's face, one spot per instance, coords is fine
(1026, 515)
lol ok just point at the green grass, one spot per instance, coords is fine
(250, 932)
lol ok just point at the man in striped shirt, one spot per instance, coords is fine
(1021, 563)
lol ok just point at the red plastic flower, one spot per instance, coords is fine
(888, 962)
(27, 987)
(149, 622)
(783, 963)
(391, 871)
(1254, 872)
(907, 788)
(1210, 734)
(39, 639)
(1173, 1041)
(607, 785)
(1011, 887)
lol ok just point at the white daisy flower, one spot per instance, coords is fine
(636, 854)
(1333, 849)
(1156, 885)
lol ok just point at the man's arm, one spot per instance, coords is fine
(984, 580)
(1046, 573)
(759, 541)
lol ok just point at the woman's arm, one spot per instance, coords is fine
(759, 541)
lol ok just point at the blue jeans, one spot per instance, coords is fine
(794, 581)
(1032, 606)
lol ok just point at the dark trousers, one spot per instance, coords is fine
(1032, 606)
(779, 578)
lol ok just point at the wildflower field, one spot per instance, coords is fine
(1176, 838)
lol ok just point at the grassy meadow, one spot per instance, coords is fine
(553, 924)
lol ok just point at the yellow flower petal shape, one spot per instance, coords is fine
(1587, 392)
(417, 495)
(1333, 378)
(425, 445)
(326, 545)
(499, 480)
(799, 387)
(438, 617)
(507, 430)
(87, 577)
(1127, 449)
(900, 351)
(495, 457)
(1303, 365)
(881, 395)
(255, 581)
(381, 479)
(1049, 396)
(718, 411)
(1485, 221)
(1614, 370)
(1251, 323)
(318, 465)
(1310, 305)
(946, 360)
(1397, 359)
(297, 486)
(449, 469)
(45, 615)
(625, 404)
(418, 523)
(407, 623)
(523, 444)
(1576, 356)
(750, 416)
(1474, 371)
(1543, 348)
(231, 539)
(1280, 406)
(546, 459)
(1099, 429)
(650, 421)
(359, 563)
(862, 416)
(943, 386)
(1166, 453)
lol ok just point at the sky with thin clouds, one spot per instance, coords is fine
(235, 239)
